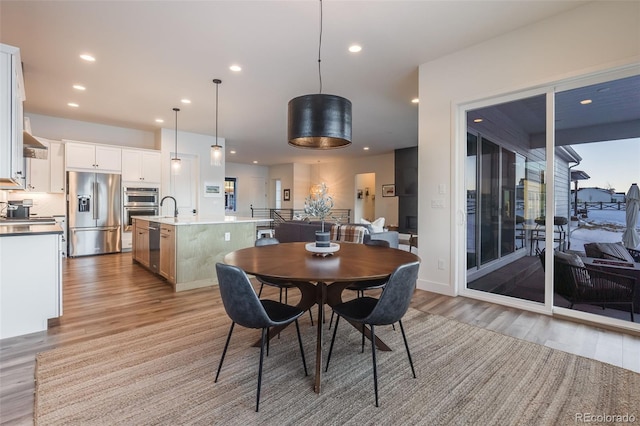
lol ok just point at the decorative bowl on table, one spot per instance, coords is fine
(322, 251)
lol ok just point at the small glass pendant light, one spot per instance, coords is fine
(176, 164)
(216, 150)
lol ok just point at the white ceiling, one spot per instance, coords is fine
(151, 54)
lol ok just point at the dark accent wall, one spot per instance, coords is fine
(406, 171)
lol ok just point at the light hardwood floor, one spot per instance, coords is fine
(109, 294)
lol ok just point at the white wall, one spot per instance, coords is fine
(301, 184)
(340, 177)
(199, 146)
(245, 173)
(593, 37)
(365, 207)
(61, 128)
(284, 173)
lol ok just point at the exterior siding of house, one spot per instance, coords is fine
(595, 195)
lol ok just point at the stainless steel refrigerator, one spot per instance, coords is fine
(94, 209)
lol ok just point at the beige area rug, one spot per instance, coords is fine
(163, 375)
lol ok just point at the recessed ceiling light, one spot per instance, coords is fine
(478, 120)
(185, 101)
(159, 120)
(255, 161)
(87, 57)
(415, 100)
(232, 151)
(586, 101)
(235, 68)
(366, 148)
(73, 105)
(79, 87)
(354, 48)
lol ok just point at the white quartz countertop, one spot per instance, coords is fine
(29, 229)
(200, 220)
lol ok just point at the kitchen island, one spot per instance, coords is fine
(185, 250)
(30, 277)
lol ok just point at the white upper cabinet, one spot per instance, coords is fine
(39, 172)
(12, 175)
(56, 161)
(141, 166)
(87, 156)
(47, 175)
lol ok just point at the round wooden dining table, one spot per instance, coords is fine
(321, 280)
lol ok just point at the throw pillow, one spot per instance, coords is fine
(570, 258)
(376, 226)
(581, 276)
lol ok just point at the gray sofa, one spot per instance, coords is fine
(301, 230)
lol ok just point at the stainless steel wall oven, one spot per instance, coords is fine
(139, 202)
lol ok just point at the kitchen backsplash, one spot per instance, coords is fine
(43, 204)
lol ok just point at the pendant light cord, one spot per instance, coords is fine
(217, 84)
(319, 48)
(176, 139)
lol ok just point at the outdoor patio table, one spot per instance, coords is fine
(321, 280)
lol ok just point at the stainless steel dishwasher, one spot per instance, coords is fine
(154, 246)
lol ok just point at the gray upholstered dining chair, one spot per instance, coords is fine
(245, 308)
(361, 286)
(282, 285)
(388, 309)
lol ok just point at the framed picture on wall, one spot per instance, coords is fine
(212, 190)
(389, 190)
(286, 195)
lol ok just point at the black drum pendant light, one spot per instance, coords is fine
(319, 121)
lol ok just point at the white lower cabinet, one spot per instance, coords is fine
(30, 283)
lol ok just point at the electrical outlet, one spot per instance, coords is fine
(437, 203)
(227, 236)
(441, 264)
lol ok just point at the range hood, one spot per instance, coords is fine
(32, 148)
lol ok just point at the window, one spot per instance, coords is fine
(230, 194)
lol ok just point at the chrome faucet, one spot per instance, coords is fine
(175, 204)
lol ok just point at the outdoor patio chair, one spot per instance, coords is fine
(578, 284)
(539, 233)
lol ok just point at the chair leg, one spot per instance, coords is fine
(362, 349)
(311, 317)
(331, 320)
(304, 362)
(375, 368)
(260, 292)
(406, 345)
(262, 342)
(333, 339)
(268, 340)
(224, 352)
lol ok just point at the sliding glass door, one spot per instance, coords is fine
(545, 177)
(504, 178)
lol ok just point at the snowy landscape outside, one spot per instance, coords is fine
(601, 226)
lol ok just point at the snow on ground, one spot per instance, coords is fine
(601, 226)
